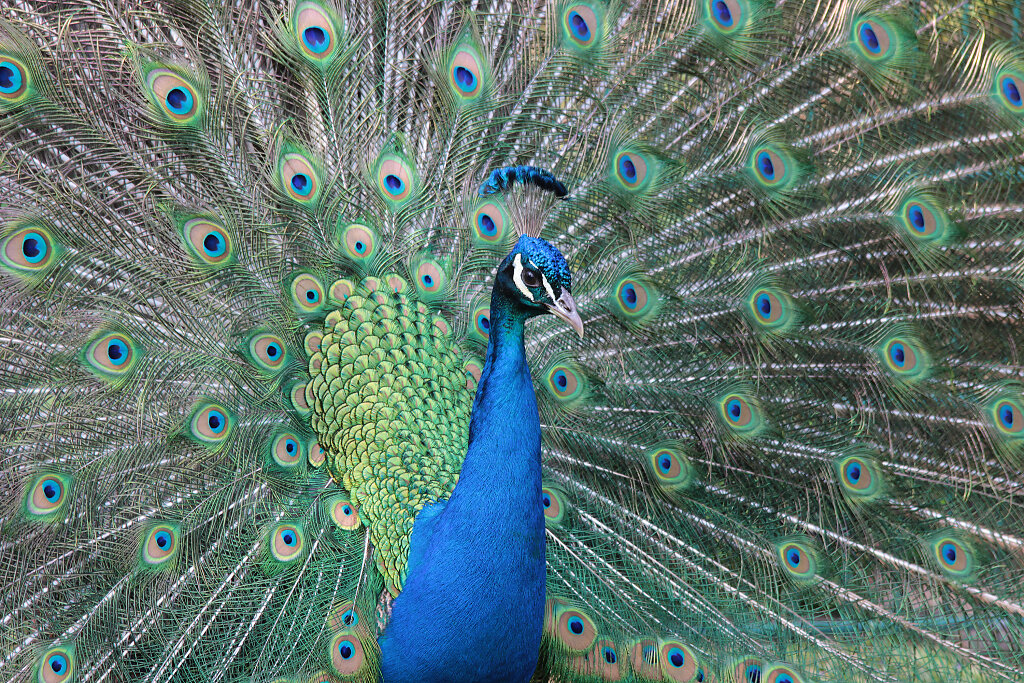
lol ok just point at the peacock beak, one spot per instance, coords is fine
(565, 308)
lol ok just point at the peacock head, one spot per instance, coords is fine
(536, 279)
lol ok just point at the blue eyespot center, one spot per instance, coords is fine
(735, 408)
(579, 26)
(764, 305)
(216, 421)
(869, 39)
(312, 296)
(289, 538)
(609, 655)
(485, 322)
(853, 472)
(793, 557)
(10, 77)
(916, 215)
(117, 351)
(58, 663)
(346, 510)
(273, 350)
(301, 183)
(179, 100)
(33, 247)
(1006, 415)
(290, 446)
(349, 618)
(723, 15)
(575, 625)
(546, 499)
(627, 168)
(464, 79)
(949, 553)
(765, 165)
(784, 678)
(345, 649)
(214, 244)
(1011, 91)
(52, 490)
(676, 657)
(665, 463)
(393, 183)
(898, 354)
(163, 539)
(360, 247)
(753, 674)
(629, 295)
(428, 281)
(561, 380)
(487, 225)
(315, 39)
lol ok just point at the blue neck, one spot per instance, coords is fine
(473, 600)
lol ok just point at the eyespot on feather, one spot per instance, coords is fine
(316, 32)
(633, 300)
(46, 496)
(798, 559)
(489, 222)
(299, 179)
(630, 170)
(347, 655)
(565, 384)
(725, 16)
(573, 628)
(601, 661)
(307, 293)
(859, 476)
(953, 556)
(316, 454)
(29, 250)
(345, 616)
(176, 98)
(287, 542)
(1008, 88)
(208, 242)
(581, 26)
(396, 180)
(781, 673)
(286, 451)
(359, 242)
(924, 221)
(873, 38)
(56, 665)
(678, 661)
(670, 468)
(740, 414)
(746, 670)
(467, 71)
(210, 423)
(481, 329)
(344, 513)
(903, 356)
(267, 352)
(159, 546)
(1008, 416)
(770, 309)
(553, 501)
(15, 81)
(111, 355)
(429, 277)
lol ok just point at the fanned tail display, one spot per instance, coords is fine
(251, 318)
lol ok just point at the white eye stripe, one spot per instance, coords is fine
(517, 277)
(551, 292)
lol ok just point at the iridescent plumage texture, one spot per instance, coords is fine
(249, 264)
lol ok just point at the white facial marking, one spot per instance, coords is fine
(517, 277)
(551, 292)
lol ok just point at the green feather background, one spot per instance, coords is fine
(244, 269)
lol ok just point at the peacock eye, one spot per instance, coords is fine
(531, 278)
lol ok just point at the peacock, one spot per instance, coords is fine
(512, 340)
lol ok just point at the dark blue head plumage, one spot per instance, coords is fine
(536, 279)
